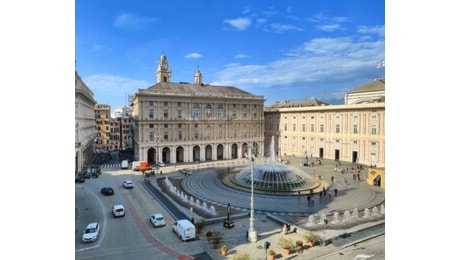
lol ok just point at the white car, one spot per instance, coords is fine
(161, 164)
(91, 233)
(118, 211)
(128, 184)
(157, 220)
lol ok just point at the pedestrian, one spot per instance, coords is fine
(359, 178)
(308, 199)
(298, 193)
(335, 192)
(284, 229)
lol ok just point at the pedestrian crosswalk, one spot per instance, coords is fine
(111, 166)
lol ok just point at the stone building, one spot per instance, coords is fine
(103, 127)
(195, 122)
(352, 132)
(84, 124)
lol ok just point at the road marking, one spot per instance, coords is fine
(363, 256)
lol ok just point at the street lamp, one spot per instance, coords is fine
(252, 233)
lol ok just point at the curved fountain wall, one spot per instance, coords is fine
(275, 177)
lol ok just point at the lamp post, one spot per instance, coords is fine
(252, 233)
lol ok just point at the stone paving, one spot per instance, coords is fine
(346, 214)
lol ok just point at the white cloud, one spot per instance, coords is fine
(379, 30)
(112, 87)
(313, 63)
(279, 28)
(241, 56)
(239, 23)
(328, 27)
(193, 55)
(130, 21)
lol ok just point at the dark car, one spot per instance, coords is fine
(79, 179)
(107, 191)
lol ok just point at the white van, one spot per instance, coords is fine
(118, 211)
(184, 229)
(124, 164)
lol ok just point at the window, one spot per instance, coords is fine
(152, 136)
(304, 127)
(150, 103)
(312, 128)
(150, 125)
(165, 104)
(355, 129)
(374, 129)
(179, 133)
(179, 104)
(165, 125)
(196, 135)
(151, 113)
(165, 135)
(294, 127)
(285, 127)
(321, 128)
(337, 129)
(179, 125)
(165, 113)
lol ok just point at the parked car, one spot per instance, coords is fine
(157, 220)
(118, 211)
(107, 190)
(79, 179)
(91, 233)
(127, 184)
(161, 164)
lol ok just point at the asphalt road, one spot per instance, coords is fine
(129, 237)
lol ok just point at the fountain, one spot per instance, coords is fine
(335, 218)
(366, 213)
(322, 219)
(346, 216)
(375, 211)
(311, 220)
(354, 214)
(275, 177)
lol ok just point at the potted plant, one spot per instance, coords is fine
(271, 254)
(200, 225)
(209, 235)
(285, 243)
(312, 238)
(216, 238)
(224, 250)
(298, 245)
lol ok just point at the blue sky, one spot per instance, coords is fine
(283, 50)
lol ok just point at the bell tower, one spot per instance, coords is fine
(198, 77)
(163, 71)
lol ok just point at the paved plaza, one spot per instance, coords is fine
(356, 213)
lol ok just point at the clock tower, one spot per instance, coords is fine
(163, 71)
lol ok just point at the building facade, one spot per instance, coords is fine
(195, 122)
(123, 115)
(103, 127)
(353, 132)
(84, 124)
